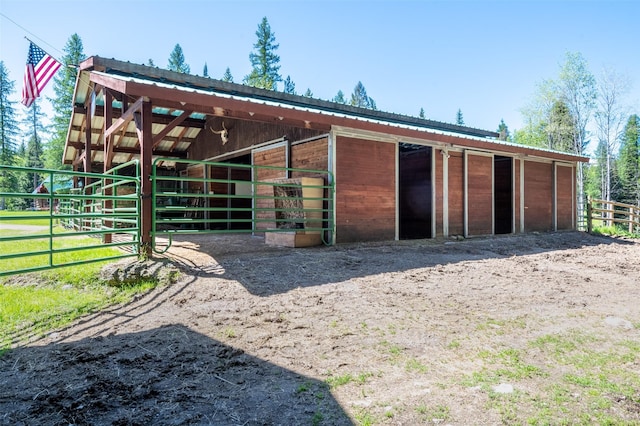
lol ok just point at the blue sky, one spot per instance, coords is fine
(483, 57)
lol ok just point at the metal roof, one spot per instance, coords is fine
(177, 142)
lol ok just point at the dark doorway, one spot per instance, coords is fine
(415, 191)
(503, 194)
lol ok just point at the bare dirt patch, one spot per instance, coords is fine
(396, 333)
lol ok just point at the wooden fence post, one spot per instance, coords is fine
(589, 220)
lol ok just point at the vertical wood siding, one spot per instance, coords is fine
(538, 193)
(564, 197)
(365, 190)
(275, 157)
(479, 196)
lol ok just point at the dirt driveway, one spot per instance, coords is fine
(412, 332)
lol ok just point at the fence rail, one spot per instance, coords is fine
(611, 212)
(98, 209)
(213, 197)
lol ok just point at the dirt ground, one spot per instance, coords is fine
(377, 333)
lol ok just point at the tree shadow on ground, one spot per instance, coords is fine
(253, 264)
(169, 375)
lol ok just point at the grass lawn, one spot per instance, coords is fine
(33, 304)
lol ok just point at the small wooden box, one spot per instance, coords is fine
(292, 239)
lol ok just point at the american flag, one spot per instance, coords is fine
(40, 68)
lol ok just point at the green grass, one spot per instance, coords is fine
(33, 304)
(32, 310)
(578, 378)
(35, 218)
(615, 230)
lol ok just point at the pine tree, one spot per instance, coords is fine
(63, 87)
(560, 128)
(8, 132)
(503, 130)
(227, 76)
(289, 86)
(264, 61)
(34, 153)
(359, 97)
(205, 71)
(308, 93)
(629, 161)
(339, 98)
(150, 63)
(8, 122)
(459, 118)
(177, 62)
(421, 114)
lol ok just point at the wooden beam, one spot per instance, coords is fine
(78, 160)
(125, 118)
(107, 137)
(107, 158)
(144, 120)
(87, 146)
(124, 150)
(169, 127)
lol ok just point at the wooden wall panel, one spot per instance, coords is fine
(365, 190)
(564, 193)
(479, 194)
(456, 193)
(439, 190)
(538, 192)
(274, 157)
(242, 134)
(312, 155)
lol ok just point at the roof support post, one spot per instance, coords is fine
(107, 205)
(87, 167)
(145, 137)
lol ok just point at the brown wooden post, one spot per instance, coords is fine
(146, 147)
(589, 224)
(87, 167)
(107, 205)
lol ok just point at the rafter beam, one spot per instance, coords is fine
(125, 118)
(169, 127)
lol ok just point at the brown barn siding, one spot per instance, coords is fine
(479, 196)
(365, 190)
(438, 181)
(242, 134)
(538, 193)
(456, 193)
(564, 195)
(313, 155)
(275, 157)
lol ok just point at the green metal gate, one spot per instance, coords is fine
(60, 224)
(214, 197)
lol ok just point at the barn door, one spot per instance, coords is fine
(415, 191)
(479, 194)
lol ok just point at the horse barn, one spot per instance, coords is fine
(377, 175)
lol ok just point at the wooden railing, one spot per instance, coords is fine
(610, 212)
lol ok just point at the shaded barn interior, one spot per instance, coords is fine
(415, 191)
